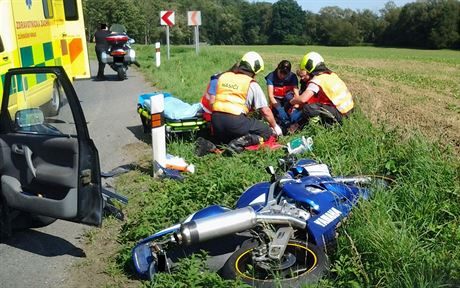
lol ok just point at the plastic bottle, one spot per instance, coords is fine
(300, 145)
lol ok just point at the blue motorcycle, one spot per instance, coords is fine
(280, 231)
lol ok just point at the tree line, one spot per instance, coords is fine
(433, 24)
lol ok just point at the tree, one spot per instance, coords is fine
(256, 18)
(444, 19)
(367, 23)
(288, 22)
(110, 12)
(336, 27)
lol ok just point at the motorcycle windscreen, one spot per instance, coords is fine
(50, 165)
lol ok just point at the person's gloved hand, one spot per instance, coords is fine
(295, 115)
(277, 130)
(282, 114)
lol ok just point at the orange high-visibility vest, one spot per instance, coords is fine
(232, 90)
(336, 90)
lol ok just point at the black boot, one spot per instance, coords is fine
(204, 147)
(237, 145)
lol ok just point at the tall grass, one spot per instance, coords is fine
(406, 236)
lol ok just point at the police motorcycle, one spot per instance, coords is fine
(279, 233)
(119, 55)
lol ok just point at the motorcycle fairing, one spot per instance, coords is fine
(329, 201)
(255, 196)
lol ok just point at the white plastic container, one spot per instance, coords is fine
(300, 145)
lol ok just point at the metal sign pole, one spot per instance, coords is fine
(167, 38)
(197, 39)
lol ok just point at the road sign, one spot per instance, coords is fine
(194, 18)
(167, 18)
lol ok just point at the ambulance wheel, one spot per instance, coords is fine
(51, 108)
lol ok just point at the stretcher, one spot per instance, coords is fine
(190, 121)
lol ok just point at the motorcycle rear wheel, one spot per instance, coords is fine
(302, 263)
(121, 73)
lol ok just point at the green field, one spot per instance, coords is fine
(406, 126)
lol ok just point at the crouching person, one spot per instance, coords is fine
(326, 97)
(281, 87)
(236, 94)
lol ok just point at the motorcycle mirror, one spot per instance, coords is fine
(271, 170)
(282, 162)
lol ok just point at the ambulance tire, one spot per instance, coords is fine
(51, 108)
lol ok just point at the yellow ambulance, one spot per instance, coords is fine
(37, 33)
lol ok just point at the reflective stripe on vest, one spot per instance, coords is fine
(336, 90)
(232, 90)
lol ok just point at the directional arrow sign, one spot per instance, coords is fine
(194, 18)
(167, 18)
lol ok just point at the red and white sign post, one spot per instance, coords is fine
(157, 54)
(157, 107)
(167, 19)
(194, 19)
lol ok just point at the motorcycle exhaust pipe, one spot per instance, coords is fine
(227, 223)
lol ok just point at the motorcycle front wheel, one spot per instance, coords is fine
(302, 263)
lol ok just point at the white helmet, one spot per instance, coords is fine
(254, 61)
(310, 61)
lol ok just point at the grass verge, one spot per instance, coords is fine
(403, 237)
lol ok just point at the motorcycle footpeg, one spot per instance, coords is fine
(278, 245)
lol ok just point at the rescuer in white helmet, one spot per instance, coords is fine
(326, 96)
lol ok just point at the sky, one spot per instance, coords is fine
(374, 5)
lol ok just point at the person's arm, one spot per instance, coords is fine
(296, 92)
(257, 100)
(302, 98)
(271, 90)
(212, 99)
(212, 90)
(268, 115)
(310, 91)
(271, 96)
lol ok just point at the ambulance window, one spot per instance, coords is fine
(48, 9)
(1, 45)
(70, 10)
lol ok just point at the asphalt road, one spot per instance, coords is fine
(43, 257)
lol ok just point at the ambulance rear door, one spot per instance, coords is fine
(69, 27)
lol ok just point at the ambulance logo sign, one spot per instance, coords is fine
(29, 4)
(167, 18)
(194, 18)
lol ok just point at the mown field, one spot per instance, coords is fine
(407, 126)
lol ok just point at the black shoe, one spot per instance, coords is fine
(237, 145)
(234, 148)
(101, 78)
(204, 147)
